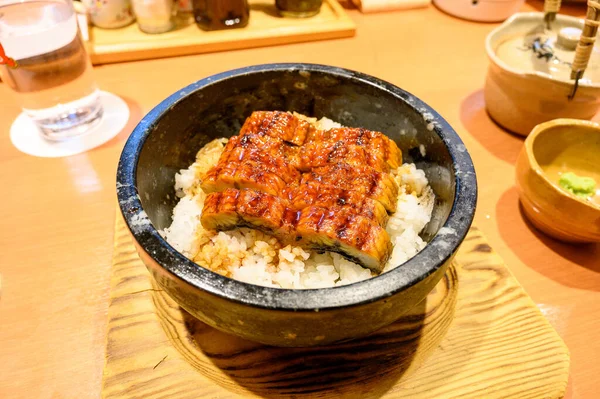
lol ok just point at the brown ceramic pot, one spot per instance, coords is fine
(518, 99)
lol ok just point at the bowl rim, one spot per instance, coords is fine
(491, 52)
(435, 254)
(533, 136)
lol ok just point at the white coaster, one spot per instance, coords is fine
(25, 135)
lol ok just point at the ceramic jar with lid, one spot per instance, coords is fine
(110, 14)
(530, 83)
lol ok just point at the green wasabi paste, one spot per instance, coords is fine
(581, 186)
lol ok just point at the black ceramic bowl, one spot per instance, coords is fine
(169, 136)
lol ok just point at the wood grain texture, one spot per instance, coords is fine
(265, 28)
(476, 335)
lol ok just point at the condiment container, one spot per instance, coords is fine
(298, 8)
(154, 16)
(221, 14)
(519, 98)
(554, 148)
(110, 14)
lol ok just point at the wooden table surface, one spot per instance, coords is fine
(57, 215)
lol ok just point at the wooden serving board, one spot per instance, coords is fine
(265, 28)
(476, 335)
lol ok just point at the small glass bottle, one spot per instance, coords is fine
(221, 14)
(154, 16)
(109, 14)
(298, 8)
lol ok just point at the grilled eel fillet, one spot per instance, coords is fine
(277, 124)
(249, 167)
(379, 186)
(379, 151)
(256, 164)
(313, 194)
(284, 166)
(258, 158)
(339, 228)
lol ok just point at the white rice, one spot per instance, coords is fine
(257, 258)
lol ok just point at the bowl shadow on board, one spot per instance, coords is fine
(517, 231)
(499, 142)
(368, 366)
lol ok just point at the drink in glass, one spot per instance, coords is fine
(53, 75)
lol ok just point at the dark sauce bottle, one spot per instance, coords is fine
(221, 14)
(298, 8)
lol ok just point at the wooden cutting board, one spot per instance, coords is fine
(476, 335)
(265, 28)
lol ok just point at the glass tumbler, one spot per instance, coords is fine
(43, 60)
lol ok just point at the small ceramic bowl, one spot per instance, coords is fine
(552, 148)
(520, 100)
(168, 138)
